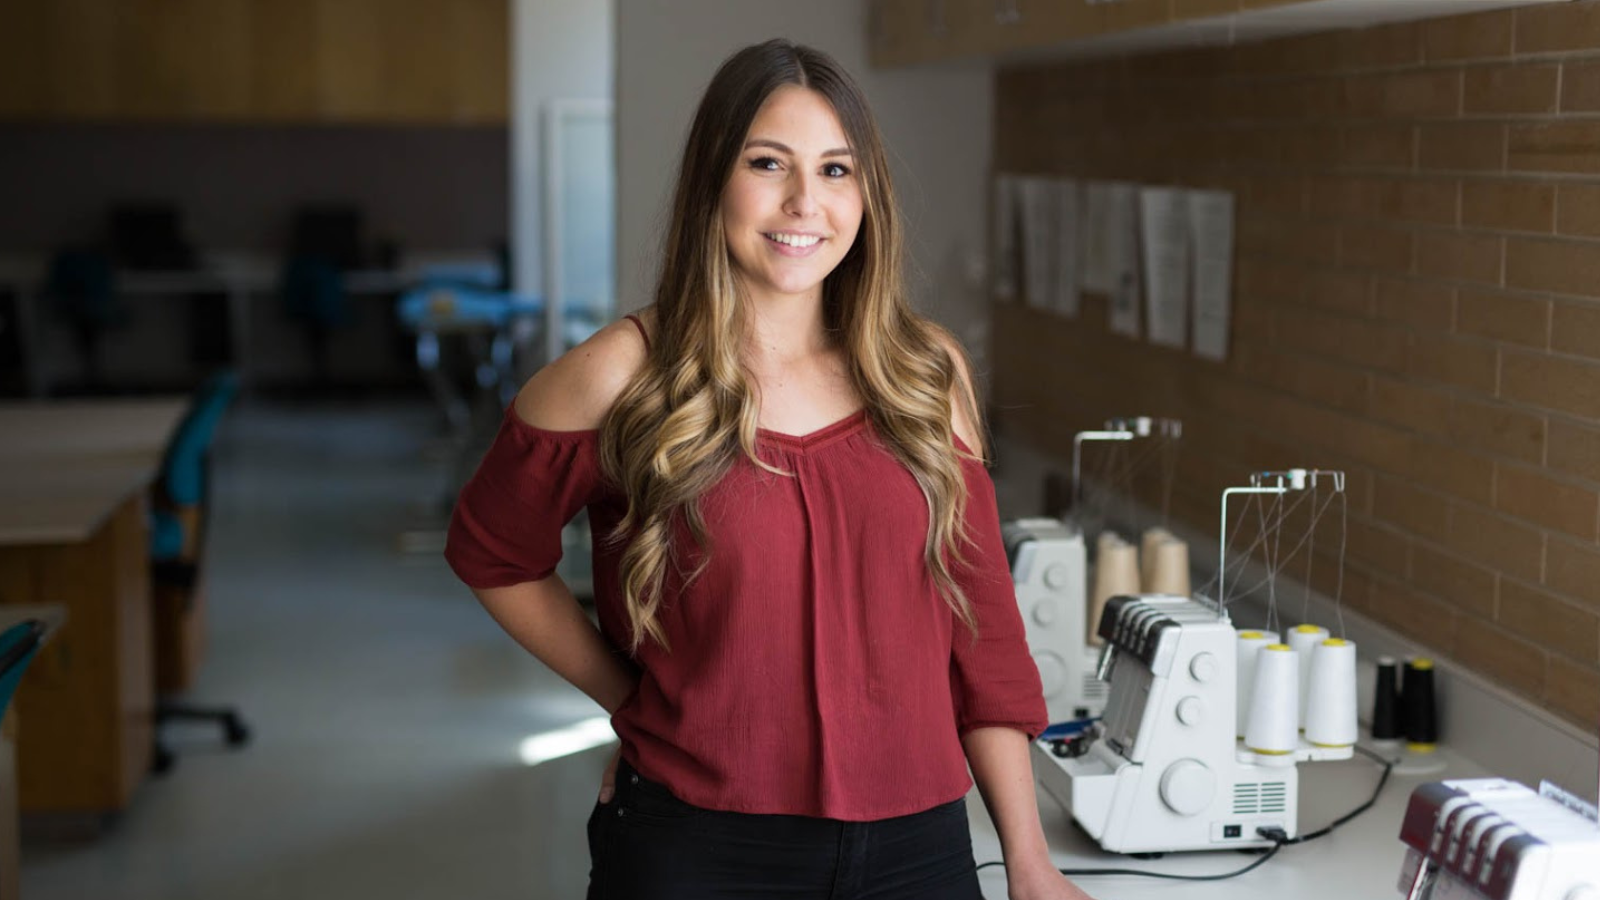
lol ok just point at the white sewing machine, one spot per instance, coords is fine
(1493, 839)
(1048, 569)
(1164, 769)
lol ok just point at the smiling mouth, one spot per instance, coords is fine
(798, 241)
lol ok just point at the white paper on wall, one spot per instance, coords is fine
(1164, 221)
(1040, 216)
(1097, 273)
(1068, 245)
(1211, 237)
(1122, 252)
(1005, 237)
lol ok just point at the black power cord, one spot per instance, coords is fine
(1277, 836)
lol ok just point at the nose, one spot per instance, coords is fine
(801, 200)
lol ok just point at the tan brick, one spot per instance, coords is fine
(1355, 340)
(1553, 266)
(1382, 47)
(1342, 292)
(1424, 201)
(1378, 547)
(1377, 247)
(1547, 27)
(1408, 405)
(1508, 206)
(1421, 304)
(1461, 146)
(1535, 497)
(1458, 582)
(1406, 95)
(1289, 239)
(1342, 197)
(1498, 429)
(1451, 470)
(1578, 210)
(1567, 146)
(1574, 450)
(1277, 194)
(1511, 90)
(1379, 146)
(1496, 541)
(1493, 653)
(1422, 513)
(1575, 329)
(1573, 690)
(1416, 615)
(1459, 257)
(1551, 383)
(1580, 86)
(1503, 317)
(1468, 364)
(1574, 569)
(1467, 37)
(1269, 281)
(1550, 621)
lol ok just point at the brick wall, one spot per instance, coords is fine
(1417, 301)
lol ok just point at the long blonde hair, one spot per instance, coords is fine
(691, 410)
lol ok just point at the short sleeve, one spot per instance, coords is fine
(506, 528)
(993, 680)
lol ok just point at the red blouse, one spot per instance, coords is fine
(814, 669)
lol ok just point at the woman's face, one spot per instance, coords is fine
(792, 208)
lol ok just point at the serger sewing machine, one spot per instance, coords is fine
(1048, 570)
(1492, 839)
(1165, 769)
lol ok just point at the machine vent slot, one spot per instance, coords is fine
(1095, 690)
(1246, 799)
(1274, 797)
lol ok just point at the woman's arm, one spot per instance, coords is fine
(1004, 774)
(547, 621)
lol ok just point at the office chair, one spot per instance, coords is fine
(177, 550)
(18, 644)
(82, 285)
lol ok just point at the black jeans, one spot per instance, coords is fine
(648, 845)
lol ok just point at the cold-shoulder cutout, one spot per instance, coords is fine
(575, 392)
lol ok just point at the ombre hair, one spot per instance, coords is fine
(691, 411)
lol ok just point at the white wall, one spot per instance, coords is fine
(560, 50)
(936, 122)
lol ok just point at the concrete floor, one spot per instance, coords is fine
(387, 708)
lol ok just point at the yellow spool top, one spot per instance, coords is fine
(1251, 635)
(1308, 629)
(1277, 647)
(1422, 662)
(1335, 642)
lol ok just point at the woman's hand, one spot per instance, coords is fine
(608, 779)
(1041, 882)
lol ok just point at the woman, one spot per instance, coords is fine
(807, 626)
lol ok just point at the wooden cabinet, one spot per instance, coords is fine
(405, 61)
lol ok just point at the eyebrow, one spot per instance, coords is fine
(784, 148)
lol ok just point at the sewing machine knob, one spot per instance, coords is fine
(1044, 612)
(1583, 892)
(1187, 786)
(1191, 710)
(1055, 577)
(1203, 667)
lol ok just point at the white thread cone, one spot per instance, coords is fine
(1116, 572)
(1152, 538)
(1271, 729)
(1331, 697)
(1304, 639)
(1249, 644)
(1167, 567)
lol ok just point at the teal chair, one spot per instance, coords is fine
(18, 645)
(177, 550)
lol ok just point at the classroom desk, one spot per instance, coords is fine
(74, 480)
(1359, 860)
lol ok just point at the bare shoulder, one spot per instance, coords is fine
(963, 400)
(575, 392)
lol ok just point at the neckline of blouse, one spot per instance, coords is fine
(809, 440)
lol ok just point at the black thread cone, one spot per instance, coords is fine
(1417, 704)
(1386, 701)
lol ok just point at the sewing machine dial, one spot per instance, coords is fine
(1187, 786)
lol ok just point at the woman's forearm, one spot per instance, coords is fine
(1004, 774)
(546, 620)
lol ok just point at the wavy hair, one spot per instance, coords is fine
(691, 411)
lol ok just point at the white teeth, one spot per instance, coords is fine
(795, 240)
